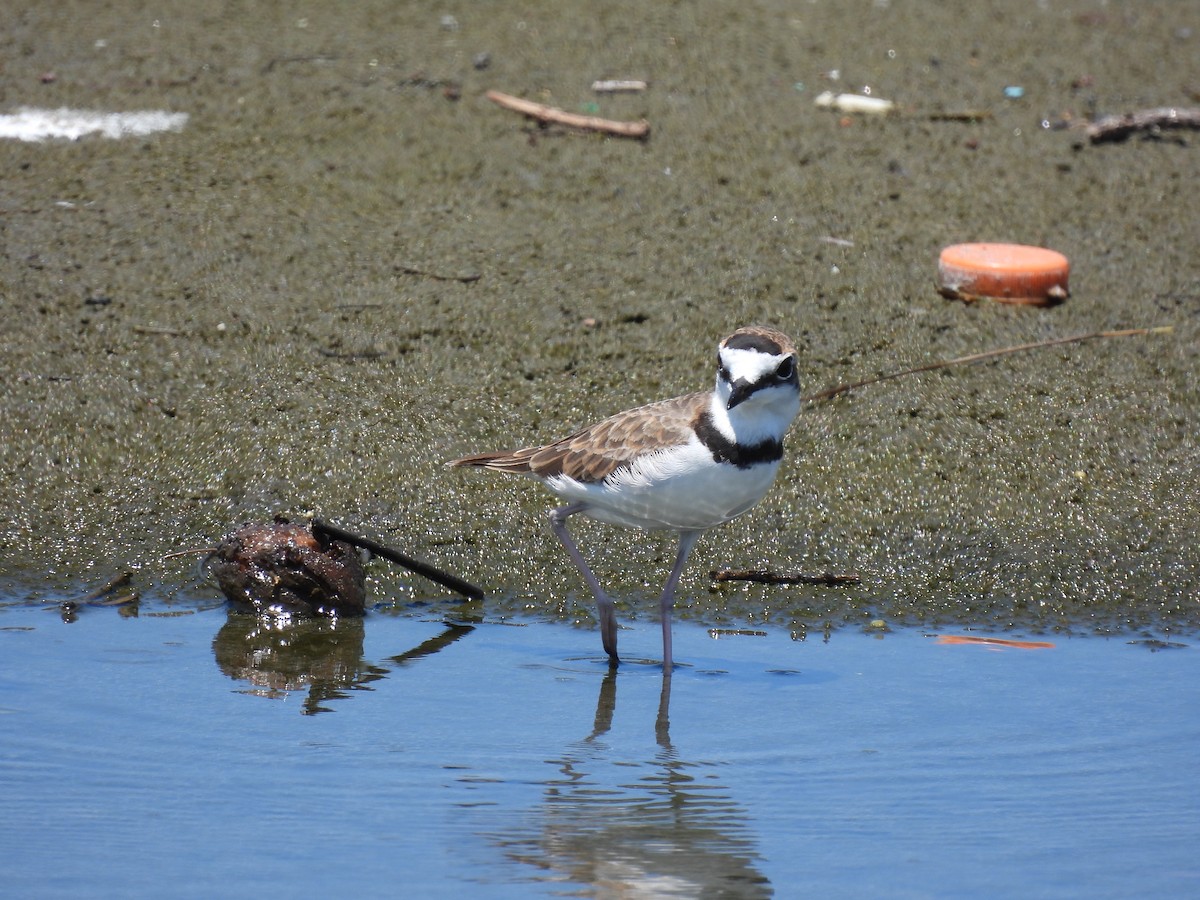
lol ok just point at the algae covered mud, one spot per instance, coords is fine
(348, 266)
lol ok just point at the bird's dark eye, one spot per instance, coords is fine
(722, 372)
(786, 370)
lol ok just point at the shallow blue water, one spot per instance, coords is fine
(504, 761)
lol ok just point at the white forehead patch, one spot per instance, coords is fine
(749, 365)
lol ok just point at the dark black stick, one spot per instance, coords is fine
(762, 577)
(445, 579)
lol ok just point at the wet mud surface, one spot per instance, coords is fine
(350, 267)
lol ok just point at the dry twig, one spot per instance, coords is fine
(114, 592)
(980, 357)
(965, 115)
(1118, 128)
(543, 113)
(438, 276)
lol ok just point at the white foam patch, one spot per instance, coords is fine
(29, 124)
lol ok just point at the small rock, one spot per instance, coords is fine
(283, 569)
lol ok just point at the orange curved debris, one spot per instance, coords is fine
(1011, 273)
(997, 642)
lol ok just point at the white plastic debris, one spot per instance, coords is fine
(853, 103)
(30, 124)
(618, 86)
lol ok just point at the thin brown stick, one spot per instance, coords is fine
(117, 581)
(194, 552)
(965, 115)
(114, 592)
(1118, 128)
(438, 276)
(980, 357)
(349, 354)
(764, 577)
(543, 113)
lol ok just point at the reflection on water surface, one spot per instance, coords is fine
(663, 827)
(322, 655)
(482, 755)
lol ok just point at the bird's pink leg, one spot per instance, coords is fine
(604, 603)
(687, 540)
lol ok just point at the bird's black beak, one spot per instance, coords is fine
(739, 391)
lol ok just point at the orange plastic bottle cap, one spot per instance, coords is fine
(1010, 273)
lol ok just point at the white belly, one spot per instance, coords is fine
(683, 490)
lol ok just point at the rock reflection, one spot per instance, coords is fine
(674, 831)
(279, 655)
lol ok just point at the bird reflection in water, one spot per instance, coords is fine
(323, 655)
(675, 831)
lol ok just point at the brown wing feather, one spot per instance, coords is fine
(595, 452)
